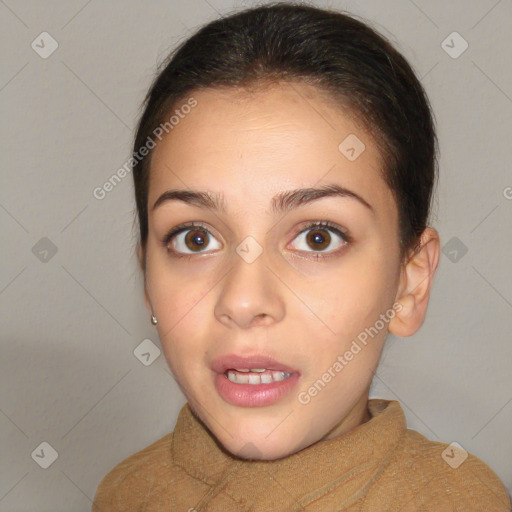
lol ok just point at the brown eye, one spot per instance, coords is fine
(318, 239)
(190, 240)
(196, 240)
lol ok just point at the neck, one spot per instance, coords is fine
(357, 416)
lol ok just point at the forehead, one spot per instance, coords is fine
(262, 141)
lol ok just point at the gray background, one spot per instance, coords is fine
(72, 320)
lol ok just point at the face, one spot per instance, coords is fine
(287, 285)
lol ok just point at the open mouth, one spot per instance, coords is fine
(248, 389)
(253, 381)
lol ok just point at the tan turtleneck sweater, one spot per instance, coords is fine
(378, 466)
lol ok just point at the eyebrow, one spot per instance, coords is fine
(281, 203)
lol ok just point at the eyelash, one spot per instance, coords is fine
(188, 226)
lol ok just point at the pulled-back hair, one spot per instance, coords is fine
(338, 54)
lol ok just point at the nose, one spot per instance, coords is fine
(251, 294)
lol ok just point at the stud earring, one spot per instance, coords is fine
(154, 321)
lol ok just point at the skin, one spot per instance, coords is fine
(302, 310)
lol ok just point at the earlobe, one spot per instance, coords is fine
(401, 324)
(416, 280)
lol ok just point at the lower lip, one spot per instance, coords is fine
(254, 395)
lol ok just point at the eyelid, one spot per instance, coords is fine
(328, 226)
(183, 227)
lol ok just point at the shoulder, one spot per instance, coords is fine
(441, 476)
(134, 478)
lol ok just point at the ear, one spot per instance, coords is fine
(140, 258)
(416, 277)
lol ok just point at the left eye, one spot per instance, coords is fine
(318, 237)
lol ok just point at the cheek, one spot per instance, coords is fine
(183, 337)
(178, 303)
(173, 291)
(356, 293)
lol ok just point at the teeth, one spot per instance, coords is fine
(266, 379)
(253, 378)
(245, 370)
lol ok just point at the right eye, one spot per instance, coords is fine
(188, 239)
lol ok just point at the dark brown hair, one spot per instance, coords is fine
(338, 54)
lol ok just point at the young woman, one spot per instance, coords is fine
(284, 167)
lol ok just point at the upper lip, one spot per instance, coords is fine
(233, 361)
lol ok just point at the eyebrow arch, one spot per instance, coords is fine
(281, 203)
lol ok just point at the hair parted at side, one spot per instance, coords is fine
(331, 50)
